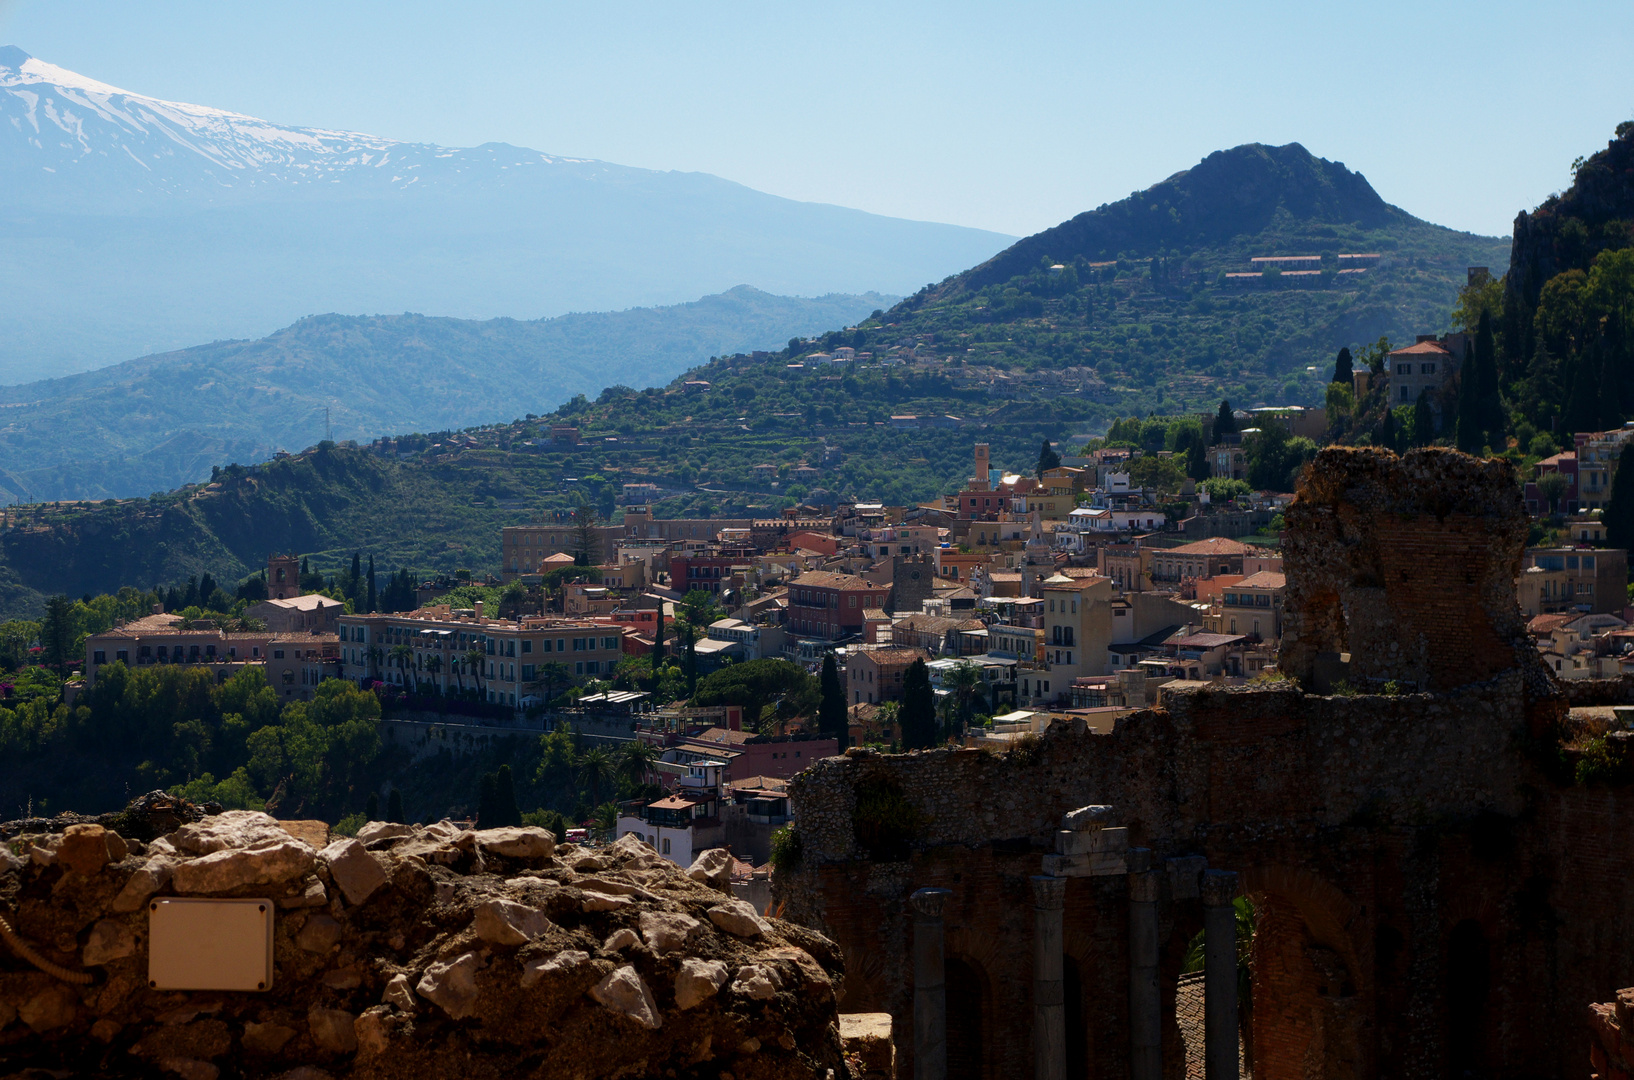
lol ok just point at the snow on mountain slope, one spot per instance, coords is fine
(130, 225)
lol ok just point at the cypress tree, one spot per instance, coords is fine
(486, 809)
(917, 714)
(371, 807)
(1197, 460)
(1387, 430)
(1619, 512)
(831, 712)
(1489, 404)
(1047, 459)
(371, 602)
(1582, 412)
(506, 811)
(1344, 368)
(1224, 423)
(394, 806)
(1423, 420)
(1468, 436)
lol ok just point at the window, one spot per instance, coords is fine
(609, 642)
(289, 678)
(277, 654)
(578, 667)
(561, 644)
(1427, 369)
(666, 845)
(527, 645)
(1404, 369)
(99, 657)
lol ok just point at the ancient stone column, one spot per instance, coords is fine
(1049, 1010)
(1219, 975)
(1145, 1008)
(929, 986)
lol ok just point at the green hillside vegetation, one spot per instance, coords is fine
(156, 423)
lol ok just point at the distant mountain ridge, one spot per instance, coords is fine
(1229, 194)
(132, 225)
(162, 421)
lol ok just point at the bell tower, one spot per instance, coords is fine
(979, 482)
(283, 576)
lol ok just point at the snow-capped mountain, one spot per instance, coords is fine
(133, 225)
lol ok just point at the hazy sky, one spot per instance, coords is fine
(1009, 116)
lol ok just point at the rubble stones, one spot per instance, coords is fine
(713, 868)
(109, 941)
(755, 981)
(83, 849)
(383, 830)
(225, 871)
(505, 922)
(620, 940)
(535, 970)
(319, 935)
(524, 842)
(399, 993)
(666, 931)
(153, 876)
(53, 1007)
(738, 917)
(622, 991)
(332, 1029)
(472, 944)
(355, 870)
(223, 832)
(698, 981)
(452, 986)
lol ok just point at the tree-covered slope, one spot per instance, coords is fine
(161, 421)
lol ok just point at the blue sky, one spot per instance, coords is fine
(1004, 116)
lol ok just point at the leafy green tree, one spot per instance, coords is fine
(755, 684)
(1553, 485)
(917, 713)
(832, 717)
(1225, 424)
(966, 689)
(1619, 512)
(1344, 368)
(1047, 459)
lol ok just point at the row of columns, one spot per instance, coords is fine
(1218, 890)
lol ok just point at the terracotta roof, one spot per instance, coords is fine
(901, 655)
(309, 602)
(1423, 348)
(1214, 545)
(825, 579)
(722, 737)
(1265, 579)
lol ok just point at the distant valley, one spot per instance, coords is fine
(158, 422)
(132, 226)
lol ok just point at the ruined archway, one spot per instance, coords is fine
(1307, 979)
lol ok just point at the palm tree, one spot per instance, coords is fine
(595, 769)
(604, 818)
(402, 655)
(434, 664)
(964, 685)
(376, 655)
(474, 659)
(635, 761)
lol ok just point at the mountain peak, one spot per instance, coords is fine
(1230, 193)
(13, 57)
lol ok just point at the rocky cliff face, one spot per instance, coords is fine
(1568, 230)
(404, 950)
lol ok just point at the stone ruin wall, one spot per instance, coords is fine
(410, 952)
(1432, 895)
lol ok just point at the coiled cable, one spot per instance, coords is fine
(26, 951)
